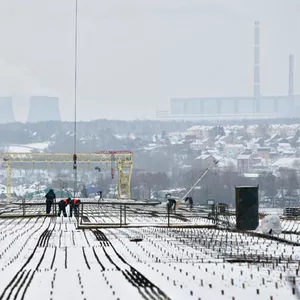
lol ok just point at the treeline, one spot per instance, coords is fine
(42, 131)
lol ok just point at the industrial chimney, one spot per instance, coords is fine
(256, 84)
(43, 108)
(291, 85)
(291, 75)
(6, 110)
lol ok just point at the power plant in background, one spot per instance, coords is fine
(6, 110)
(252, 107)
(43, 108)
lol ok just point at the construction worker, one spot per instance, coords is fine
(190, 201)
(99, 194)
(62, 204)
(50, 196)
(74, 205)
(171, 204)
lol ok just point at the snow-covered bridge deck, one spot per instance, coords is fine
(50, 258)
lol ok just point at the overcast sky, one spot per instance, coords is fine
(134, 55)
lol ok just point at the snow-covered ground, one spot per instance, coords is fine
(49, 258)
(27, 148)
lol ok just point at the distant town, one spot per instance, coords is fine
(168, 156)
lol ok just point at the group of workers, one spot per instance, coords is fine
(171, 205)
(74, 203)
(62, 204)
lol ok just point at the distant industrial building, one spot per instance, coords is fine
(281, 106)
(255, 107)
(6, 110)
(43, 108)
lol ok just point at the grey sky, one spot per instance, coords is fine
(134, 55)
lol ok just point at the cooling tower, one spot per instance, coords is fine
(6, 110)
(43, 108)
(256, 83)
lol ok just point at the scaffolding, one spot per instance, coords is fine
(121, 160)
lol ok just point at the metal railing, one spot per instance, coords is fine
(25, 208)
(117, 213)
(137, 214)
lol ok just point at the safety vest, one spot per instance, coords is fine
(75, 201)
(66, 201)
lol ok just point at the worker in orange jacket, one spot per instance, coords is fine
(74, 205)
(62, 204)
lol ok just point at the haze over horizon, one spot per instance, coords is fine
(133, 56)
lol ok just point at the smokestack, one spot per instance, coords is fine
(256, 84)
(43, 108)
(292, 111)
(291, 75)
(6, 110)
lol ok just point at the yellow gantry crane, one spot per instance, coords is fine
(120, 160)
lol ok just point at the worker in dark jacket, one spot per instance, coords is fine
(171, 205)
(190, 201)
(62, 204)
(74, 205)
(50, 197)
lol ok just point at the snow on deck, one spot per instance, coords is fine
(49, 258)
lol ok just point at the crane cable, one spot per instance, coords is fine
(75, 102)
(215, 162)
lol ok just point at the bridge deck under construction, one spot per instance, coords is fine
(116, 213)
(138, 247)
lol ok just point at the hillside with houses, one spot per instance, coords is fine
(247, 149)
(172, 157)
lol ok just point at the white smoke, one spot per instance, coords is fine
(18, 81)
